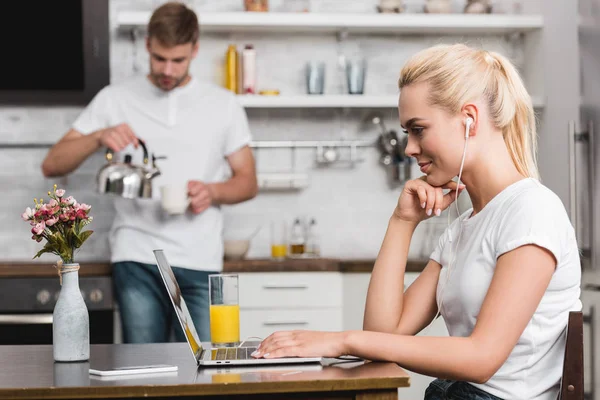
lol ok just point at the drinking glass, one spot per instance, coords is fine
(224, 310)
(315, 77)
(355, 75)
(279, 241)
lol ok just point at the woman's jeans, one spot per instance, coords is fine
(147, 314)
(442, 389)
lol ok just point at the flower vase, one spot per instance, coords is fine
(71, 374)
(71, 322)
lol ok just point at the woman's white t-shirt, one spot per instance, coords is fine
(526, 212)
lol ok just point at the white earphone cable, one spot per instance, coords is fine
(440, 300)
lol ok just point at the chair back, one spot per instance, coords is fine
(571, 384)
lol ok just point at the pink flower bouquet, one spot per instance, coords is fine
(60, 222)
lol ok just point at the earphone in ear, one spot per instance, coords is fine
(468, 123)
(451, 257)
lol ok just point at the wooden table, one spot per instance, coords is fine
(29, 372)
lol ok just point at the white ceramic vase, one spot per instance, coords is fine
(71, 321)
(71, 374)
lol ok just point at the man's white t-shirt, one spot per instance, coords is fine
(195, 127)
(526, 212)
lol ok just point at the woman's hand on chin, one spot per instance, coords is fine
(420, 201)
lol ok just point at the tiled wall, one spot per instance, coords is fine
(351, 205)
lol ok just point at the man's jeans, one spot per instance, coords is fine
(147, 314)
(442, 389)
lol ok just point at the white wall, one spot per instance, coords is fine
(352, 206)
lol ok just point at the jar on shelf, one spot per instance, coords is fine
(256, 5)
(438, 6)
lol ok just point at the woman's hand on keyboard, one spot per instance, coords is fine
(302, 344)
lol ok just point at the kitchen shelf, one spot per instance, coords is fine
(407, 23)
(329, 101)
(318, 101)
(296, 144)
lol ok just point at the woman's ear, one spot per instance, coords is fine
(471, 114)
(468, 123)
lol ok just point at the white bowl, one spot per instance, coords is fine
(236, 249)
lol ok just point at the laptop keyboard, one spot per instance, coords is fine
(232, 353)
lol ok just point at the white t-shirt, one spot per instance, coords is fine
(195, 126)
(526, 212)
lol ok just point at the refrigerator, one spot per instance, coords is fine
(584, 184)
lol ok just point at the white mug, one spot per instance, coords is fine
(174, 198)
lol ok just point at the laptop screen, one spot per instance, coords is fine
(179, 304)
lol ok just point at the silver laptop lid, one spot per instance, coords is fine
(183, 315)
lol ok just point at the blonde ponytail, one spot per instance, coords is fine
(457, 74)
(518, 120)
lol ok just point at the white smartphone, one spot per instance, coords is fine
(134, 369)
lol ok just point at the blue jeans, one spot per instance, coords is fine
(147, 314)
(443, 389)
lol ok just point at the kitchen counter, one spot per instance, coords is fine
(103, 268)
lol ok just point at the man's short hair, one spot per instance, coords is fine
(173, 24)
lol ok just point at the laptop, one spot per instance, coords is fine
(212, 356)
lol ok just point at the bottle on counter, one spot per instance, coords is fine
(231, 68)
(297, 240)
(248, 70)
(313, 239)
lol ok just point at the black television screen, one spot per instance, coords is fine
(57, 53)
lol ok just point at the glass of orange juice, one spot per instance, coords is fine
(279, 242)
(224, 310)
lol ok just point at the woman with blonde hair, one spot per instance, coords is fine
(504, 275)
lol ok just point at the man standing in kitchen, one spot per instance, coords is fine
(204, 135)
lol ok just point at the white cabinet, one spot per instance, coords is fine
(276, 301)
(261, 323)
(355, 296)
(290, 290)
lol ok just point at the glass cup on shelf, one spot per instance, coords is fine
(315, 77)
(224, 310)
(355, 75)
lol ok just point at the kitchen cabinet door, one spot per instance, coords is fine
(272, 290)
(355, 286)
(262, 323)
